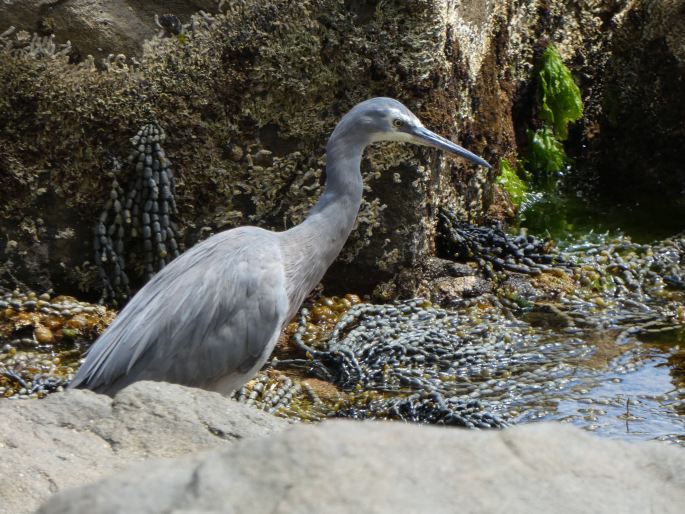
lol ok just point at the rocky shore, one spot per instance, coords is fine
(441, 318)
(248, 92)
(159, 448)
(76, 437)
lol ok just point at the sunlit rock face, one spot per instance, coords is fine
(247, 94)
(412, 469)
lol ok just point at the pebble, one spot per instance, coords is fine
(43, 335)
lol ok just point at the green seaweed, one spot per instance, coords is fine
(546, 157)
(541, 207)
(560, 100)
(512, 183)
(545, 207)
(70, 333)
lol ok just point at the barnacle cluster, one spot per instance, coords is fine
(34, 45)
(291, 396)
(141, 215)
(271, 391)
(42, 338)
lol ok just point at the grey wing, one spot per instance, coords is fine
(211, 313)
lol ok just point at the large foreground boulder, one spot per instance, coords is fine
(74, 438)
(393, 468)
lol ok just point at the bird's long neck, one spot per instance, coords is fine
(312, 246)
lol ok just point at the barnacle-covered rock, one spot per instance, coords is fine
(100, 28)
(248, 97)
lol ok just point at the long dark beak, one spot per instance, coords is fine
(423, 136)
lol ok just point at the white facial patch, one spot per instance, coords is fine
(402, 137)
(398, 134)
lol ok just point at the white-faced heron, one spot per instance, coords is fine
(212, 316)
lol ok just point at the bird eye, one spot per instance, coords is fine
(398, 123)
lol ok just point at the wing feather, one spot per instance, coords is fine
(210, 313)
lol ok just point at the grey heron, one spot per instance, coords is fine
(212, 316)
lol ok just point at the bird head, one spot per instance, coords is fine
(386, 119)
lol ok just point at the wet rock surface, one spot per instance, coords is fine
(400, 468)
(75, 437)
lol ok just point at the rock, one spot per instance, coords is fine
(275, 76)
(642, 132)
(77, 436)
(43, 335)
(98, 27)
(345, 466)
(448, 290)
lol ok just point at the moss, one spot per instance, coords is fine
(559, 96)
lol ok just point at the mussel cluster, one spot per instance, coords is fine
(626, 268)
(137, 217)
(492, 248)
(414, 362)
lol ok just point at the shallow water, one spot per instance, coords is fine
(638, 393)
(634, 386)
(571, 216)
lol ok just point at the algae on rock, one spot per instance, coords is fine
(560, 100)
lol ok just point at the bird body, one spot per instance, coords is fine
(212, 316)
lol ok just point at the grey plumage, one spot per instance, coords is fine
(212, 316)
